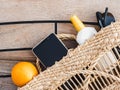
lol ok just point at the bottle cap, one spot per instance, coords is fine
(77, 23)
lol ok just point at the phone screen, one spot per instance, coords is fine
(50, 50)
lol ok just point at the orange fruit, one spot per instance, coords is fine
(23, 72)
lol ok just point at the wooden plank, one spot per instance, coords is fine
(7, 84)
(6, 66)
(26, 36)
(10, 28)
(15, 10)
(66, 28)
(17, 55)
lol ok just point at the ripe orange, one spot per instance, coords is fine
(23, 72)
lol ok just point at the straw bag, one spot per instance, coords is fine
(94, 65)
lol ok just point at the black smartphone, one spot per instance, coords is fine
(50, 50)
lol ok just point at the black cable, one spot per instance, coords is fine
(43, 21)
(15, 49)
(5, 76)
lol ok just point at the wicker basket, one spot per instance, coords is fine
(91, 66)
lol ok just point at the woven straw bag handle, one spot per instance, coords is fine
(63, 37)
(66, 36)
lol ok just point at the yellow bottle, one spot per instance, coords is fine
(84, 33)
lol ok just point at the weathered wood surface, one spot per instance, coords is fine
(14, 10)
(17, 36)
(17, 55)
(6, 84)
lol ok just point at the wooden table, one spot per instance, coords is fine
(27, 35)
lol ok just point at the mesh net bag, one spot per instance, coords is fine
(95, 65)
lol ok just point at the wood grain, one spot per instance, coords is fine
(6, 65)
(27, 36)
(19, 36)
(18, 55)
(7, 84)
(13, 10)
